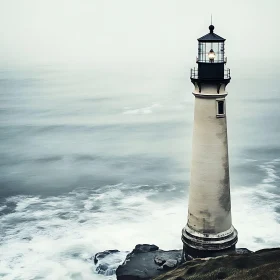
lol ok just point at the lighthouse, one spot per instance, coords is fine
(209, 230)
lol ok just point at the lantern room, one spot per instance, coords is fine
(211, 48)
(211, 58)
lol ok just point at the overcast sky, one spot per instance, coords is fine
(114, 31)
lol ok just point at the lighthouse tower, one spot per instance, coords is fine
(209, 229)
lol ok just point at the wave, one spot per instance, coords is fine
(142, 111)
(54, 237)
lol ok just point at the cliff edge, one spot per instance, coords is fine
(148, 262)
(260, 265)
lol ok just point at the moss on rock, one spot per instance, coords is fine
(261, 265)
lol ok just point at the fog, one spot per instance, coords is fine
(134, 32)
(96, 119)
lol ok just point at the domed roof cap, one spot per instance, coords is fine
(211, 28)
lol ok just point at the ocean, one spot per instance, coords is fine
(96, 158)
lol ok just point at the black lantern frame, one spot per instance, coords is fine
(209, 67)
(205, 47)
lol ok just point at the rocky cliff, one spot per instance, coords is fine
(147, 262)
(260, 265)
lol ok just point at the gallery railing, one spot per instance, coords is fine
(195, 75)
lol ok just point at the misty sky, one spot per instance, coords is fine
(119, 31)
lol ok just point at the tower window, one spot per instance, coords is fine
(220, 108)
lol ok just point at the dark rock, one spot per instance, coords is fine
(160, 260)
(170, 264)
(143, 248)
(160, 268)
(141, 262)
(242, 251)
(108, 261)
(102, 255)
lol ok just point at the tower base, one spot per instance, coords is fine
(194, 253)
(198, 245)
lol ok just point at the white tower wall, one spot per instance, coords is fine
(209, 228)
(209, 198)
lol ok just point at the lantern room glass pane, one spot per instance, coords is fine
(205, 47)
